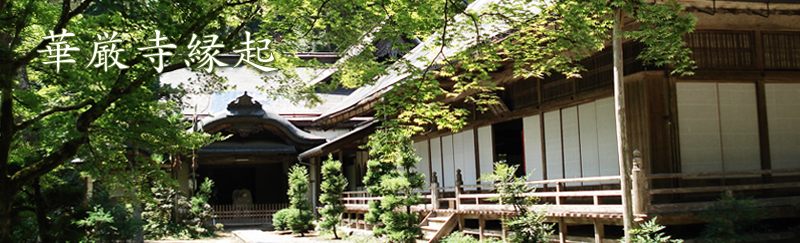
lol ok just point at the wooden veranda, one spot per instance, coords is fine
(590, 201)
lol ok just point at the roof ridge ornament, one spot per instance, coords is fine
(245, 105)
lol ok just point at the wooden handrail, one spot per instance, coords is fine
(731, 173)
(724, 188)
(601, 193)
(556, 181)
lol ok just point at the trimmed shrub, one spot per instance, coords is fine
(280, 219)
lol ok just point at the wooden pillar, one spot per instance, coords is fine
(562, 231)
(459, 183)
(622, 139)
(481, 227)
(599, 232)
(639, 187)
(434, 192)
(503, 227)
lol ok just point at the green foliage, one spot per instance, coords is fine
(648, 232)
(281, 218)
(731, 220)
(333, 185)
(108, 221)
(59, 196)
(50, 117)
(509, 186)
(460, 237)
(171, 215)
(390, 175)
(528, 225)
(299, 219)
(539, 38)
(99, 225)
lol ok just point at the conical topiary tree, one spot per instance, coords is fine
(300, 215)
(391, 175)
(333, 185)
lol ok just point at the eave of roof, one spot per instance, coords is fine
(421, 57)
(337, 142)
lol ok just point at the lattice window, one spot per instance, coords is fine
(781, 50)
(556, 86)
(722, 50)
(522, 93)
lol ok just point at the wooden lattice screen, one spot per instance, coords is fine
(781, 51)
(598, 74)
(522, 93)
(711, 50)
(722, 50)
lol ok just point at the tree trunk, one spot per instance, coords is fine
(335, 235)
(41, 212)
(6, 213)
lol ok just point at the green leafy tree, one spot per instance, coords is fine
(528, 225)
(107, 220)
(333, 185)
(537, 38)
(50, 116)
(390, 175)
(299, 218)
(174, 215)
(49, 205)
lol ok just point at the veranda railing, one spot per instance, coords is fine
(589, 196)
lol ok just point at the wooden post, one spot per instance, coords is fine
(639, 186)
(481, 227)
(562, 231)
(599, 232)
(434, 192)
(558, 193)
(622, 139)
(503, 228)
(459, 183)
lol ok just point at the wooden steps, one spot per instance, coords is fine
(437, 225)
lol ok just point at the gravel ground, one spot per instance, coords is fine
(258, 236)
(224, 237)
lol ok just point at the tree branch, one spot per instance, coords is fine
(66, 15)
(3, 5)
(241, 25)
(240, 3)
(42, 115)
(56, 158)
(317, 16)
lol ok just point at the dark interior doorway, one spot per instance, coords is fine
(508, 144)
(266, 182)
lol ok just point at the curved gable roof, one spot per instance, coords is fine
(245, 116)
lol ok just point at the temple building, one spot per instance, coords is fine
(732, 128)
